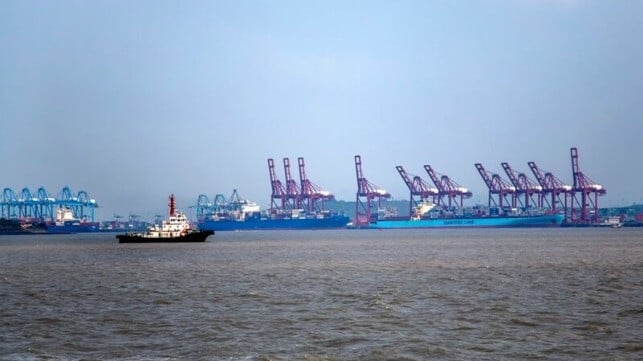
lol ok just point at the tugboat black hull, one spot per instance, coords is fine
(188, 238)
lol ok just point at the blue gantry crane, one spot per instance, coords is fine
(42, 206)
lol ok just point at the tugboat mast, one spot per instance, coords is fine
(172, 210)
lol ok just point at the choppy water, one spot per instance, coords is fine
(562, 294)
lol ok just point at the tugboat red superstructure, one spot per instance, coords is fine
(176, 229)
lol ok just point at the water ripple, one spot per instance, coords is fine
(403, 295)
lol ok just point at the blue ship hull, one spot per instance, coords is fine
(553, 220)
(72, 228)
(252, 224)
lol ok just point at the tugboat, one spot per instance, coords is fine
(176, 229)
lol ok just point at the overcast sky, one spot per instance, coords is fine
(134, 100)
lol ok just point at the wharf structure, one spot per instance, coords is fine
(292, 206)
(518, 196)
(41, 206)
(304, 196)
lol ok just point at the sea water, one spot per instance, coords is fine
(483, 294)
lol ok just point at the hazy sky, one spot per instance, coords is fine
(133, 100)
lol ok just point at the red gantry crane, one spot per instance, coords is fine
(447, 188)
(497, 186)
(582, 192)
(417, 188)
(554, 191)
(278, 190)
(311, 194)
(367, 192)
(293, 196)
(531, 191)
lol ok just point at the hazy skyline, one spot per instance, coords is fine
(132, 101)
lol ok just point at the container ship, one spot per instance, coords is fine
(426, 216)
(244, 215)
(553, 220)
(267, 221)
(15, 227)
(66, 222)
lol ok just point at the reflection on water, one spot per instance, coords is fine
(326, 295)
